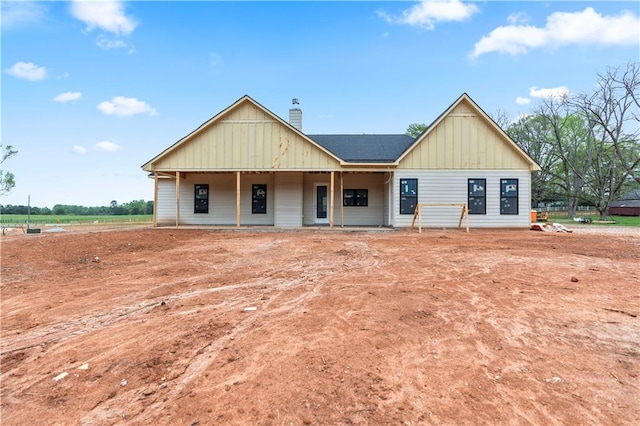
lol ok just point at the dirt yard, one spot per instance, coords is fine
(252, 327)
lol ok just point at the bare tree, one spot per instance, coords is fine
(614, 110)
(613, 115)
(572, 147)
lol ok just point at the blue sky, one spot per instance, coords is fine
(91, 91)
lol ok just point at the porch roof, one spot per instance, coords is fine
(365, 148)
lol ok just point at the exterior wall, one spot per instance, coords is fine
(222, 199)
(288, 199)
(166, 208)
(371, 215)
(448, 186)
(463, 140)
(308, 195)
(246, 138)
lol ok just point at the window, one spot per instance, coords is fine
(508, 196)
(408, 195)
(477, 196)
(356, 197)
(201, 199)
(259, 199)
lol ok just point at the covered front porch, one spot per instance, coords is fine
(272, 198)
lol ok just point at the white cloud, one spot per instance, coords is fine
(563, 28)
(523, 101)
(560, 92)
(15, 13)
(106, 146)
(28, 71)
(108, 15)
(79, 149)
(517, 18)
(68, 97)
(126, 107)
(429, 12)
(521, 117)
(108, 44)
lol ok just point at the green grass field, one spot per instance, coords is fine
(561, 217)
(18, 219)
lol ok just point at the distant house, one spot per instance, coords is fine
(627, 205)
(246, 166)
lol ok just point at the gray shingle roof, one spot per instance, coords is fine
(365, 148)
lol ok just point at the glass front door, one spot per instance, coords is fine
(321, 204)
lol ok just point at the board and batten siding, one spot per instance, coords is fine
(464, 140)
(246, 138)
(371, 215)
(449, 186)
(288, 199)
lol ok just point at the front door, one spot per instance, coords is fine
(321, 204)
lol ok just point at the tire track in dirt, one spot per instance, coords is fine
(278, 307)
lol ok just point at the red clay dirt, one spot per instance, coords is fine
(349, 327)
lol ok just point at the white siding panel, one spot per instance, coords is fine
(447, 186)
(246, 200)
(288, 199)
(222, 199)
(373, 213)
(166, 208)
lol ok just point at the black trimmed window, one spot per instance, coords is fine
(509, 196)
(201, 198)
(259, 199)
(355, 197)
(477, 196)
(408, 195)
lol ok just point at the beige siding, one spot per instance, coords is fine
(463, 140)
(246, 138)
(449, 186)
(288, 199)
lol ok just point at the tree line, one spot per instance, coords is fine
(587, 144)
(136, 207)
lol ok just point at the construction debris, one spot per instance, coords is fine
(556, 227)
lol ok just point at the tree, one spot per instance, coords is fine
(7, 179)
(533, 134)
(572, 146)
(415, 129)
(614, 110)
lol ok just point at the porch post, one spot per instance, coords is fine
(177, 199)
(155, 199)
(341, 199)
(331, 203)
(237, 199)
